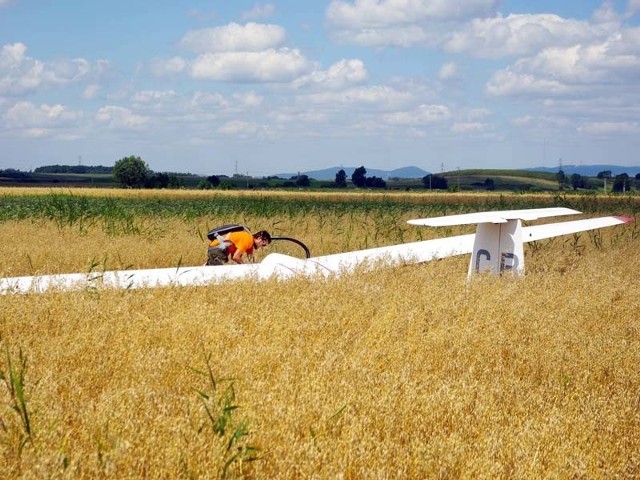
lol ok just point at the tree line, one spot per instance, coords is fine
(618, 183)
(79, 169)
(133, 172)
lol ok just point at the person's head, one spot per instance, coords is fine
(261, 239)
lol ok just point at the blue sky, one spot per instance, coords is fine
(221, 87)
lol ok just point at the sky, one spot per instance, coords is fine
(220, 87)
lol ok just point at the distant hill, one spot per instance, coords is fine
(330, 173)
(413, 172)
(588, 170)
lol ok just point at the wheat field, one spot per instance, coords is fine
(408, 372)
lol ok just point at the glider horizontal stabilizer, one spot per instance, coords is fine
(502, 216)
(541, 232)
(498, 244)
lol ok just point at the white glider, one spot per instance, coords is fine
(497, 246)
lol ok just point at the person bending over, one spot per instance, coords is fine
(236, 245)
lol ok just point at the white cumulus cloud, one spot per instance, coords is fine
(448, 71)
(264, 66)
(248, 99)
(237, 53)
(27, 115)
(341, 74)
(120, 117)
(523, 34)
(633, 6)
(208, 100)
(91, 92)
(566, 70)
(401, 23)
(523, 121)
(152, 96)
(251, 37)
(382, 13)
(468, 127)
(424, 114)
(380, 98)
(513, 83)
(240, 128)
(20, 74)
(169, 66)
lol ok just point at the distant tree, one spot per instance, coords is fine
(157, 180)
(131, 172)
(359, 177)
(621, 183)
(303, 181)
(561, 178)
(603, 175)
(341, 179)
(12, 173)
(435, 182)
(577, 181)
(489, 184)
(427, 181)
(214, 180)
(375, 182)
(175, 181)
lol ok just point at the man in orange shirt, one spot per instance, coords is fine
(236, 244)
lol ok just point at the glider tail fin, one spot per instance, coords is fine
(498, 248)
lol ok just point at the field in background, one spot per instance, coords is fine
(460, 180)
(406, 372)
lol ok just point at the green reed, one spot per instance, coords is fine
(12, 376)
(121, 215)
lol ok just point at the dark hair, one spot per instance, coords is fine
(263, 234)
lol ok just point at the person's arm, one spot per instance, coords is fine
(237, 256)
